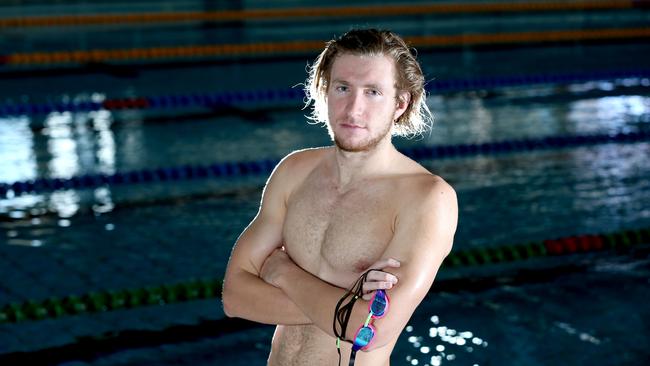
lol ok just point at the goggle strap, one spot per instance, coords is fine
(338, 348)
(353, 356)
(344, 327)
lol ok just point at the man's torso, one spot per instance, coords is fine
(336, 235)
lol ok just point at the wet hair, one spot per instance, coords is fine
(416, 119)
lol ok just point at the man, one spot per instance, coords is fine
(329, 214)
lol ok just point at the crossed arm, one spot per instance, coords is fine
(263, 284)
(422, 240)
(245, 293)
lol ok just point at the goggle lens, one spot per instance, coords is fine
(379, 303)
(364, 336)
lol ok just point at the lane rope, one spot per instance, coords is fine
(110, 300)
(234, 169)
(317, 12)
(223, 100)
(292, 47)
(265, 166)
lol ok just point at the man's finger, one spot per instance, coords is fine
(382, 276)
(373, 286)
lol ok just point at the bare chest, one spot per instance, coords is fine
(336, 236)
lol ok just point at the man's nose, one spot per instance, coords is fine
(356, 104)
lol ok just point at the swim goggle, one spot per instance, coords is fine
(377, 308)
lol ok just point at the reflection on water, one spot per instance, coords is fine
(471, 118)
(17, 157)
(65, 145)
(68, 144)
(443, 344)
(102, 121)
(62, 145)
(64, 203)
(615, 113)
(583, 336)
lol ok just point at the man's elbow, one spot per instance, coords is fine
(228, 309)
(381, 340)
(229, 302)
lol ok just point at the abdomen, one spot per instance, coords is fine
(298, 345)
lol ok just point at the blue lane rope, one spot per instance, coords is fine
(265, 166)
(221, 99)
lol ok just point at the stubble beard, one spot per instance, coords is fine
(364, 145)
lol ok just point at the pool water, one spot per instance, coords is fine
(570, 310)
(130, 237)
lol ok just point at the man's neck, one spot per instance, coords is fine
(351, 167)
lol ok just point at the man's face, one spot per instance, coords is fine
(361, 101)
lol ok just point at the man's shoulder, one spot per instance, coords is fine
(419, 177)
(307, 155)
(301, 160)
(428, 209)
(426, 191)
(294, 167)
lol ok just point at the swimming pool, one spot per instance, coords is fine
(576, 309)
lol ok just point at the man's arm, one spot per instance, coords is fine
(245, 294)
(423, 237)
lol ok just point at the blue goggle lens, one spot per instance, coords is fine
(378, 305)
(364, 337)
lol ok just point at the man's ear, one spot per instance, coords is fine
(403, 98)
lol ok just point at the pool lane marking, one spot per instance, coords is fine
(308, 46)
(316, 12)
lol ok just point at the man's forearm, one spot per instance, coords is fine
(317, 299)
(249, 297)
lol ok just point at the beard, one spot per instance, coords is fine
(366, 145)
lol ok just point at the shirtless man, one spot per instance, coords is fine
(329, 214)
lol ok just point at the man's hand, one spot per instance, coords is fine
(274, 265)
(380, 280)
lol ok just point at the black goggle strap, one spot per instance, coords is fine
(342, 313)
(342, 316)
(338, 348)
(353, 356)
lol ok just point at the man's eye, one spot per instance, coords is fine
(341, 88)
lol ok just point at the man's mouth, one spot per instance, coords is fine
(351, 125)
